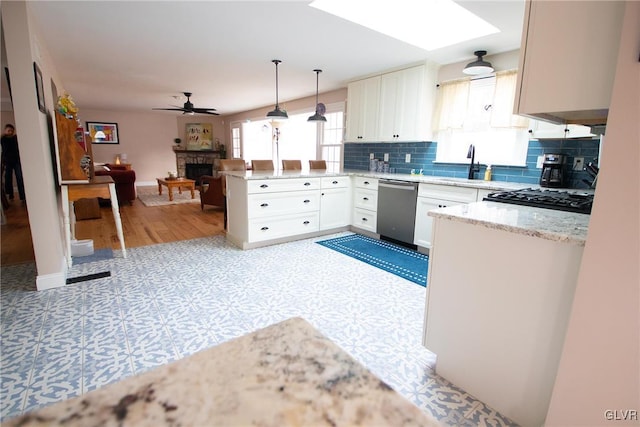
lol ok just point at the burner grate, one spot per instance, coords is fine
(548, 199)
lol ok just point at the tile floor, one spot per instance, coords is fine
(167, 301)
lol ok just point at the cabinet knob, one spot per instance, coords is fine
(364, 219)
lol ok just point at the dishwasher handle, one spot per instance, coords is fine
(399, 185)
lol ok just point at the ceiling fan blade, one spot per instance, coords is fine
(205, 112)
(170, 109)
(203, 109)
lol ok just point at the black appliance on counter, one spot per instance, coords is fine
(553, 171)
(549, 199)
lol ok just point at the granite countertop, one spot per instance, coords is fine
(287, 374)
(440, 180)
(547, 224)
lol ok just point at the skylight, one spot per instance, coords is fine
(427, 24)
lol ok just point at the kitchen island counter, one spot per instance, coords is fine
(547, 224)
(282, 375)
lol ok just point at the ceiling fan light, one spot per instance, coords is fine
(277, 113)
(479, 66)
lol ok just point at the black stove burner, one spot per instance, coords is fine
(549, 199)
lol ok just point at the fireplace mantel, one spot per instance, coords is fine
(209, 157)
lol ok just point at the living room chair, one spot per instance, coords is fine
(262, 165)
(211, 191)
(317, 164)
(291, 165)
(229, 165)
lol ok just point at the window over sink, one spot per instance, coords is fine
(479, 112)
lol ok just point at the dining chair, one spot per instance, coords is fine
(317, 164)
(291, 165)
(262, 165)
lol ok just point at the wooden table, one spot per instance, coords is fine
(177, 182)
(99, 186)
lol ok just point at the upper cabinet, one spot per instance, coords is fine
(362, 109)
(559, 41)
(545, 130)
(402, 109)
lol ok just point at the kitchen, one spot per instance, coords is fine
(600, 251)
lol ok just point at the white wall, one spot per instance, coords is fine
(600, 366)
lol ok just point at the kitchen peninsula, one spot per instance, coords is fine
(287, 374)
(501, 284)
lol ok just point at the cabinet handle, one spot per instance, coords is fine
(264, 228)
(334, 182)
(306, 222)
(365, 198)
(307, 201)
(264, 186)
(307, 184)
(366, 183)
(264, 205)
(364, 219)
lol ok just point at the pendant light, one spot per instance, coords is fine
(320, 108)
(479, 66)
(277, 113)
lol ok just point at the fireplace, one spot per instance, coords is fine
(196, 170)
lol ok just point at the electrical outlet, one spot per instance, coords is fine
(370, 156)
(386, 157)
(407, 158)
(578, 163)
(539, 162)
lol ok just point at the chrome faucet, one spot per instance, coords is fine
(473, 168)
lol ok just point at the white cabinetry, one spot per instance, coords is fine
(365, 203)
(403, 106)
(335, 202)
(559, 41)
(362, 109)
(541, 130)
(270, 209)
(434, 196)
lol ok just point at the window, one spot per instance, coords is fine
(297, 138)
(236, 152)
(479, 112)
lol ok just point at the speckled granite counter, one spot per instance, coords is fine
(544, 223)
(456, 182)
(287, 374)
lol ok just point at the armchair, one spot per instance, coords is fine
(211, 191)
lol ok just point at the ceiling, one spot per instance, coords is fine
(137, 55)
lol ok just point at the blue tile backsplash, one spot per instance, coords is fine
(423, 154)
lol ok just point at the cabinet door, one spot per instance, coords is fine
(390, 99)
(362, 109)
(335, 208)
(540, 130)
(424, 223)
(559, 80)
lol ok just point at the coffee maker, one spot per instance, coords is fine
(553, 171)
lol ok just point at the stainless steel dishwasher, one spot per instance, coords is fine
(397, 209)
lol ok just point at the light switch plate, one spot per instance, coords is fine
(370, 156)
(386, 157)
(407, 158)
(539, 162)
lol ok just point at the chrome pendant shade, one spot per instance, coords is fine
(319, 115)
(479, 66)
(277, 113)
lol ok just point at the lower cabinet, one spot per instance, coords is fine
(433, 196)
(335, 202)
(365, 203)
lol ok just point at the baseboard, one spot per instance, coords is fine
(53, 280)
(146, 183)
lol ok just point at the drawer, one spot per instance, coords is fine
(271, 204)
(335, 182)
(283, 226)
(365, 199)
(276, 185)
(365, 219)
(448, 192)
(363, 182)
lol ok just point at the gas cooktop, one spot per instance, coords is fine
(549, 199)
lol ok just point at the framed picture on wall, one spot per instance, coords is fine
(39, 87)
(199, 136)
(103, 133)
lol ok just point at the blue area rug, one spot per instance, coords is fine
(403, 262)
(98, 255)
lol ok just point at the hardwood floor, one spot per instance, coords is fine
(141, 225)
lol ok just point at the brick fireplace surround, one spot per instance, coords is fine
(184, 157)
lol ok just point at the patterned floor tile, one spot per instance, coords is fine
(102, 331)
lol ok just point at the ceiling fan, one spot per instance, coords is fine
(188, 108)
